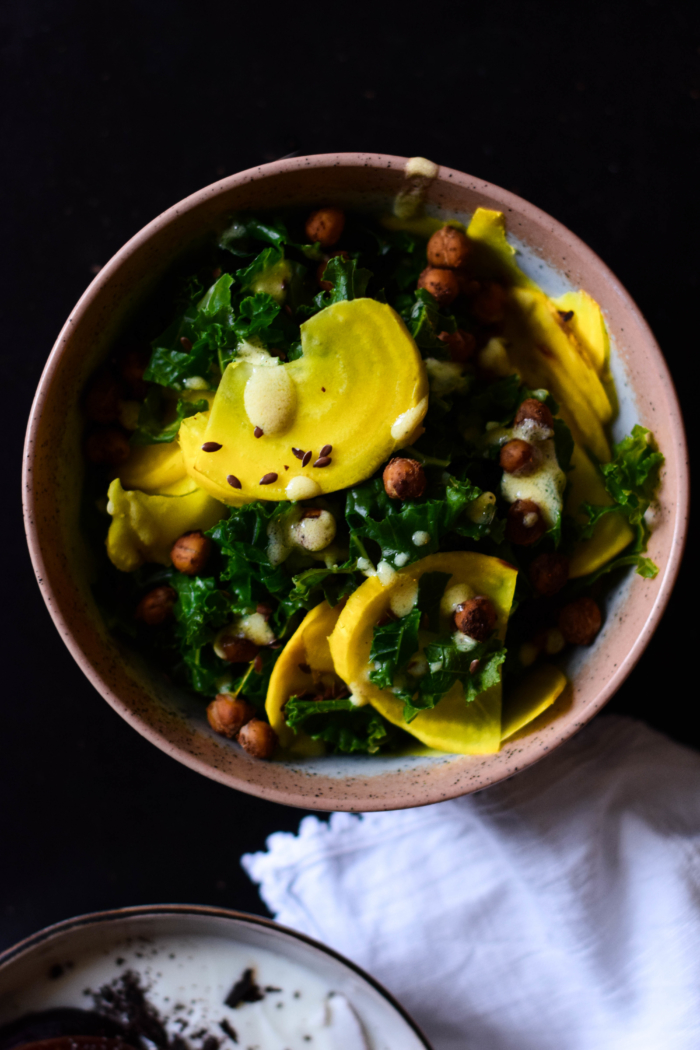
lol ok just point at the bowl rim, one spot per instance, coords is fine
(118, 915)
(524, 755)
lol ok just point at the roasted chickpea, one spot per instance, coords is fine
(107, 447)
(227, 715)
(461, 344)
(258, 738)
(403, 479)
(325, 226)
(580, 621)
(525, 523)
(190, 553)
(549, 573)
(238, 650)
(102, 399)
(326, 285)
(537, 411)
(518, 457)
(476, 617)
(157, 606)
(442, 284)
(448, 247)
(489, 303)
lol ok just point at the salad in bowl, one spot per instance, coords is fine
(352, 482)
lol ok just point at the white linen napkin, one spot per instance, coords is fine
(559, 910)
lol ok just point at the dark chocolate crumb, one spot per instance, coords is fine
(211, 446)
(245, 990)
(258, 432)
(286, 466)
(306, 458)
(124, 1001)
(228, 1030)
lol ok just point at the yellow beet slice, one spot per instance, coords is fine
(588, 325)
(360, 387)
(453, 725)
(492, 255)
(157, 470)
(535, 692)
(145, 527)
(307, 646)
(612, 533)
(546, 354)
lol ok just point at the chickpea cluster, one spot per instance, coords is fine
(232, 717)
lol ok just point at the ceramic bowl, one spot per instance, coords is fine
(176, 722)
(193, 956)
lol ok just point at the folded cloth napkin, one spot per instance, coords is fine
(559, 910)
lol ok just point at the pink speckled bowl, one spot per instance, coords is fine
(176, 722)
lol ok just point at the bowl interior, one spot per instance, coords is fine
(194, 955)
(175, 721)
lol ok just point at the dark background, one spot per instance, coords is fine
(113, 112)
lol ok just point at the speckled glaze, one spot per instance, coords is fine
(27, 965)
(175, 722)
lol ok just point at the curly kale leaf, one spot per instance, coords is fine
(425, 321)
(448, 664)
(314, 585)
(207, 325)
(393, 645)
(349, 282)
(242, 539)
(201, 608)
(151, 428)
(238, 236)
(631, 479)
(431, 588)
(393, 524)
(341, 725)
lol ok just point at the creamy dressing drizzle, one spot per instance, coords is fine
(545, 486)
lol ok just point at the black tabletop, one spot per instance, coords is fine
(115, 111)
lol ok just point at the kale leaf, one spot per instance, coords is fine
(201, 608)
(151, 429)
(448, 664)
(431, 588)
(425, 321)
(340, 724)
(237, 237)
(393, 645)
(243, 539)
(631, 479)
(392, 524)
(207, 325)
